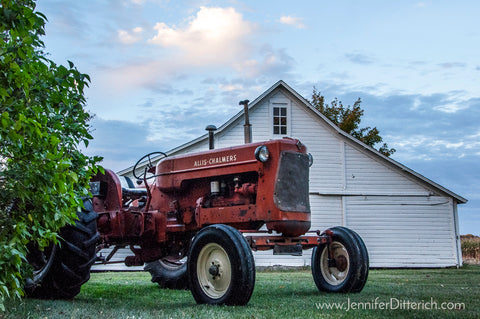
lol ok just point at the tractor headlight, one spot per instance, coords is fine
(262, 154)
(310, 160)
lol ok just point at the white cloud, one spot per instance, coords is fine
(475, 135)
(454, 145)
(231, 87)
(130, 37)
(142, 2)
(214, 36)
(293, 21)
(269, 61)
(416, 103)
(138, 74)
(451, 107)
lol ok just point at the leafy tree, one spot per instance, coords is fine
(43, 173)
(348, 119)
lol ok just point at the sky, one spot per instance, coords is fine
(161, 71)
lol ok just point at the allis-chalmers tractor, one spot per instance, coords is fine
(195, 220)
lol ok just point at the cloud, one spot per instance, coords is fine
(451, 65)
(359, 58)
(293, 21)
(214, 36)
(231, 87)
(142, 2)
(134, 75)
(66, 17)
(130, 37)
(271, 62)
(419, 129)
(217, 38)
(455, 101)
(121, 143)
(450, 107)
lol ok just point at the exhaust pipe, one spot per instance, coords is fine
(247, 128)
(211, 140)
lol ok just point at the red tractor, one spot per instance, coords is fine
(195, 221)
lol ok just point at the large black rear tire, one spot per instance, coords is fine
(348, 271)
(221, 267)
(67, 267)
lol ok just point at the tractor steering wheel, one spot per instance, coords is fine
(148, 166)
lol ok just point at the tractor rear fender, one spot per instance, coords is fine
(107, 191)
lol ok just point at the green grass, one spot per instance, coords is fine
(289, 294)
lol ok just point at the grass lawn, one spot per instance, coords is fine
(289, 294)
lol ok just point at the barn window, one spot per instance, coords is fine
(280, 120)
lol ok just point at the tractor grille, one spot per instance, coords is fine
(291, 186)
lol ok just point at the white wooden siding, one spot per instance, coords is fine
(365, 173)
(260, 121)
(325, 147)
(199, 147)
(225, 139)
(404, 231)
(118, 260)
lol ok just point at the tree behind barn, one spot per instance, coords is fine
(348, 119)
(43, 174)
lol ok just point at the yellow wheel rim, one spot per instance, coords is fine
(335, 275)
(214, 270)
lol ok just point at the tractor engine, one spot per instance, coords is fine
(247, 186)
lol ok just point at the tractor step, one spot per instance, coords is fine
(293, 250)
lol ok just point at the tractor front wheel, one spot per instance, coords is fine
(221, 267)
(342, 265)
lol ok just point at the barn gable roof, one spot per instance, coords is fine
(305, 103)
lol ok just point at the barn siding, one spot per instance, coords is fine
(259, 119)
(365, 173)
(117, 261)
(404, 231)
(327, 169)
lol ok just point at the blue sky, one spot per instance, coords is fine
(162, 70)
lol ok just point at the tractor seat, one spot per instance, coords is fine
(129, 189)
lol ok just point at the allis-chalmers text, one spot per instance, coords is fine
(215, 160)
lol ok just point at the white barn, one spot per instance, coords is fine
(405, 219)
